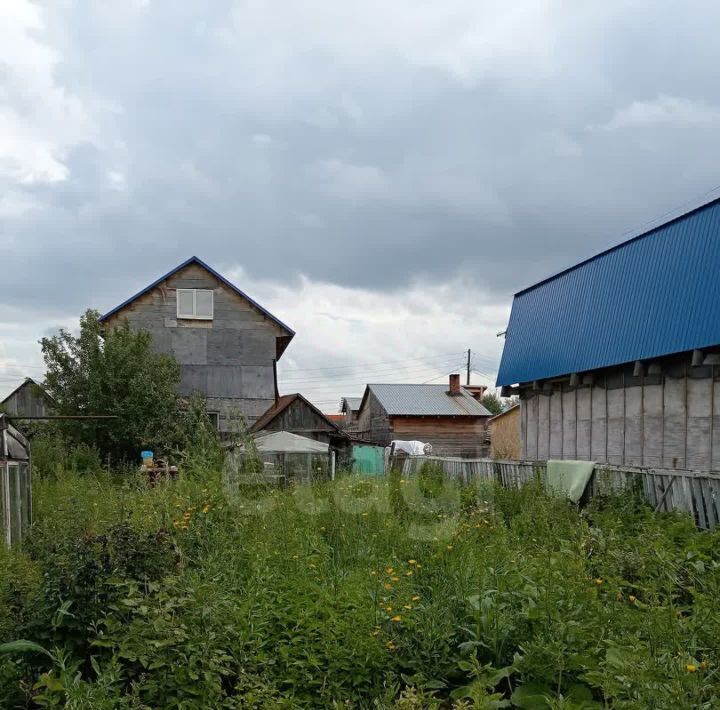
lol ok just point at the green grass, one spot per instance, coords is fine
(357, 593)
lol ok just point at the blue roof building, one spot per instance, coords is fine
(656, 294)
(617, 358)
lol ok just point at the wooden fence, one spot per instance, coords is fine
(693, 492)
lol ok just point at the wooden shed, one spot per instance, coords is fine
(295, 414)
(505, 434)
(28, 399)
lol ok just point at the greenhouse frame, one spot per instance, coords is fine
(15, 483)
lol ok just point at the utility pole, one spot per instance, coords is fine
(468, 368)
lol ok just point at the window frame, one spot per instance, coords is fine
(194, 292)
(214, 417)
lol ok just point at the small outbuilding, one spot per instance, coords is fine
(15, 483)
(28, 399)
(505, 434)
(280, 457)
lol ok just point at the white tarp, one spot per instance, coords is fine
(413, 448)
(283, 442)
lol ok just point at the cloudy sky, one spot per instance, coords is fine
(382, 176)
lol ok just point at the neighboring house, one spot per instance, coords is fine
(350, 407)
(27, 400)
(295, 414)
(505, 434)
(617, 359)
(226, 343)
(448, 417)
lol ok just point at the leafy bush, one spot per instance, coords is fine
(357, 593)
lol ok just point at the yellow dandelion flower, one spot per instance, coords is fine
(416, 598)
(387, 586)
(691, 668)
(390, 646)
(396, 618)
(206, 509)
(704, 664)
(407, 606)
(599, 581)
(388, 609)
(373, 573)
(632, 598)
(412, 562)
(449, 547)
(389, 570)
(419, 566)
(408, 573)
(395, 579)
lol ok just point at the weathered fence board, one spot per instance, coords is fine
(693, 492)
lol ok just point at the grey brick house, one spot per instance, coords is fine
(226, 343)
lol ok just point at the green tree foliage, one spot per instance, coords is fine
(112, 373)
(492, 403)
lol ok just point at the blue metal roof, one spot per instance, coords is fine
(656, 294)
(219, 277)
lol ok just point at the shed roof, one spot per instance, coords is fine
(28, 381)
(653, 295)
(504, 412)
(353, 403)
(282, 404)
(425, 400)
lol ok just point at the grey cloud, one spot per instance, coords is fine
(368, 151)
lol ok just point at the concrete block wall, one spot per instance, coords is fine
(664, 421)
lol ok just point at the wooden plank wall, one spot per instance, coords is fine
(663, 422)
(230, 359)
(693, 492)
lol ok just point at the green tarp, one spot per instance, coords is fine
(569, 478)
(368, 459)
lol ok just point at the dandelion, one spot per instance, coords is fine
(395, 579)
(449, 547)
(632, 598)
(364, 515)
(412, 562)
(389, 570)
(390, 646)
(419, 566)
(387, 586)
(407, 606)
(416, 598)
(691, 668)
(599, 581)
(373, 573)
(704, 664)
(408, 573)
(206, 508)
(396, 618)
(388, 609)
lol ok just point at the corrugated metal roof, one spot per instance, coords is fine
(656, 294)
(352, 402)
(426, 400)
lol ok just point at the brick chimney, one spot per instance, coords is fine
(454, 385)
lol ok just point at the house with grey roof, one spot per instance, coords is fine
(447, 416)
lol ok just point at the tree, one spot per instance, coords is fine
(113, 373)
(492, 403)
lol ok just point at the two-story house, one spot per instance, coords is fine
(227, 344)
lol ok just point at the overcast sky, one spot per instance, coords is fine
(380, 175)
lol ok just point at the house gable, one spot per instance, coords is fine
(158, 300)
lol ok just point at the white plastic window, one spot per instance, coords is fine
(195, 303)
